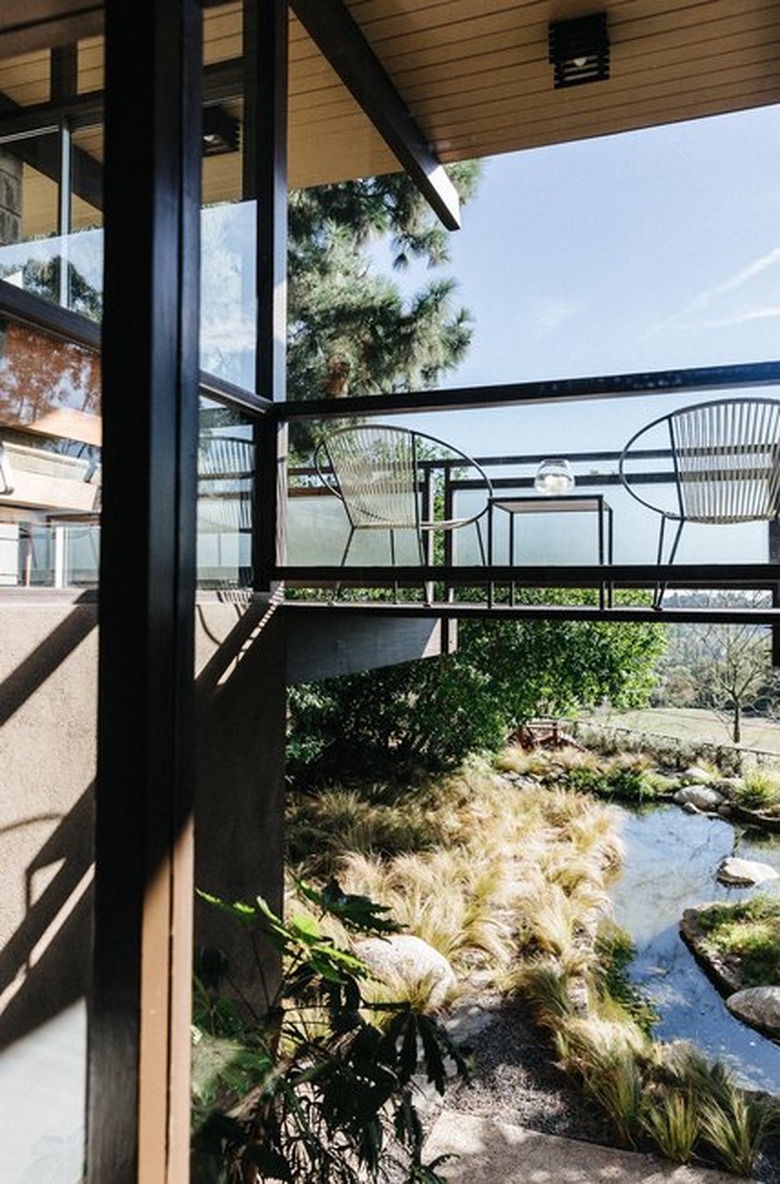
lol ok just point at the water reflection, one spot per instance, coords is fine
(671, 861)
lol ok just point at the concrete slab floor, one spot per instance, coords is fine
(491, 1152)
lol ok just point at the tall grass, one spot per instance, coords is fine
(509, 880)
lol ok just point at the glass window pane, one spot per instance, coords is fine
(225, 483)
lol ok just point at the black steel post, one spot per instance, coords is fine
(139, 1007)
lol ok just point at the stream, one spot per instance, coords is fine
(670, 865)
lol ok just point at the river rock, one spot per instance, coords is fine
(402, 956)
(729, 786)
(698, 776)
(744, 872)
(757, 1006)
(702, 797)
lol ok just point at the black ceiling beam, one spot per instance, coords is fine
(43, 153)
(333, 30)
(29, 25)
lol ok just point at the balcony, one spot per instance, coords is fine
(521, 552)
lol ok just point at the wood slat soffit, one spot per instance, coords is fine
(476, 77)
(473, 74)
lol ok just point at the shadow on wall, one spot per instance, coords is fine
(44, 967)
(47, 826)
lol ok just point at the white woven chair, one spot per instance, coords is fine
(726, 458)
(376, 471)
(225, 482)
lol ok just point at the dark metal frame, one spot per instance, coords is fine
(139, 1013)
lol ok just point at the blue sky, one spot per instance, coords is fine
(643, 251)
(648, 251)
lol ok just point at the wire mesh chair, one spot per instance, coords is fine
(376, 470)
(726, 458)
(225, 478)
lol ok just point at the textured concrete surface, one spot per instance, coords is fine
(492, 1152)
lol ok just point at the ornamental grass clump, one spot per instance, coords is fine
(735, 1126)
(671, 1119)
(759, 791)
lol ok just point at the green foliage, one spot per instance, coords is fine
(431, 713)
(616, 780)
(615, 952)
(351, 329)
(311, 1090)
(750, 931)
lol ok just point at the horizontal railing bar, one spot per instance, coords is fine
(235, 396)
(702, 575)
(571, 612)
(35, 313)
(654, 382)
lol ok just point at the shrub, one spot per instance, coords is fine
(313, 1089)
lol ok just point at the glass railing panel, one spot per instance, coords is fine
(225, 487)
(597, 518)
(228, 297)
(36, 254)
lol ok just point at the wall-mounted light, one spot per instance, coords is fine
(579, 50)
(221, 131)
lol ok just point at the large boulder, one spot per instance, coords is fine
(702, 797)
(759, 1007)
(402, 959)
(743, 873)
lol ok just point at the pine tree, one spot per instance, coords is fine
(351, 329)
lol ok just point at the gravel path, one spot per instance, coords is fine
(516, 1080)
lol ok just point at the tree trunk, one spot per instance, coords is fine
(737, 728)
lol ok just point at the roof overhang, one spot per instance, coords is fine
(462, 78)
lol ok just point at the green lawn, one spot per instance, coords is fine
(695, 724)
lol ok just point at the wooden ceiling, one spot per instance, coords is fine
(474, 74)
(476, 77)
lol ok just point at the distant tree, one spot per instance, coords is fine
(726, 668)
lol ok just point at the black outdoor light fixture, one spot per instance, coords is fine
(579, 50)
(221, 131)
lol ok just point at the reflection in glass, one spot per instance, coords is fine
(225, 482)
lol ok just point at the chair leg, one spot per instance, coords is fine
(660, 588)
(423, 552)
(337, 587)
(391, 532)
(483, 557)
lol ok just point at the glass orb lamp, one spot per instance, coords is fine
(554, 476)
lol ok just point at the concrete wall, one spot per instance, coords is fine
(48, 665)
(48, 703)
